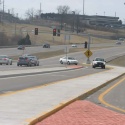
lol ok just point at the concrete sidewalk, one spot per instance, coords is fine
(29, 106)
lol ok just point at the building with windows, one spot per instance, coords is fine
(100, 20)
(86, 19)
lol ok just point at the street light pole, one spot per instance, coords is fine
(73, 19)
(65, 43)
(83, 7)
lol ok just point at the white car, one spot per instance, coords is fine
(4, 59)
(118, 42)
(68, 60)
(99, 62)
(74, 45)
(25, 55)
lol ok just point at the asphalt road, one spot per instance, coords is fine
(106, 53)
(21, 82)
(37, 49)
(111, 96)
(8, 84)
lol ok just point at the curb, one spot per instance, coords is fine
(22, 74)
(62, 105)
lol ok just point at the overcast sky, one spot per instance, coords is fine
(91, 7)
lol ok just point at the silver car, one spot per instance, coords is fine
(68, 60)
(34, 60)
(4, 59)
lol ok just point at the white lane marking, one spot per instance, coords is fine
(38, 74)
(5, 92)
(60, 75)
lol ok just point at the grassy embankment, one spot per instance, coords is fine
(45, 35)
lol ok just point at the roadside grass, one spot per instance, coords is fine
(119, 61)
(43, 55)
(46, 36)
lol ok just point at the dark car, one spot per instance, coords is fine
(21, 47)
(24, 61)
(34, 60)
(46, 45)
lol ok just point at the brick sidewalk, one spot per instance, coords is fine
(75, 66)
(84, 113)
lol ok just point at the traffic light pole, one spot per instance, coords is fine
(65, 43)
(88, 60)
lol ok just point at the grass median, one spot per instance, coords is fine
(43, 55)
(119, 61)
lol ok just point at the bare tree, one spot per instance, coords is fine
(63, 9)
(12, 11)
(30, 13)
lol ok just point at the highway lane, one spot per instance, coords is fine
(111, 96)
(8, 84)
(28, 50)
(28, 81)
(37, 49)
(107, 53)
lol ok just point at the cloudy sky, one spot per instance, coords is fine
(91, 7)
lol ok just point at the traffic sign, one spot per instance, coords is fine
(88, 53)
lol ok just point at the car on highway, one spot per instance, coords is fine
(99, 62)
(24, 61)
(4, 59)
(121, 39)
(74, 45)
(21, 47)
(68, 60)
(34, 60)
(25, 55)
(46, 45)
(118, 42)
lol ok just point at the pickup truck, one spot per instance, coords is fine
(99, 62)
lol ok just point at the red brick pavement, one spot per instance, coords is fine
(84, 113)
(75, 66)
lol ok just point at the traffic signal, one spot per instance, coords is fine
(36, 31)
(54, 32)
(58, 32)
(85, 44)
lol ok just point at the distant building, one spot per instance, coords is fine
(100, 20)
(90, 20)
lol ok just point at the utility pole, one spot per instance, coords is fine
(40, 7)
(3, 15)
(73, 20)
(115, 14)
(3, 9)
(77, 24)
(0, 3)
(0, 14)
(83, 7)
(40, 10)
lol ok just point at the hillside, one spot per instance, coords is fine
(45, 34)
